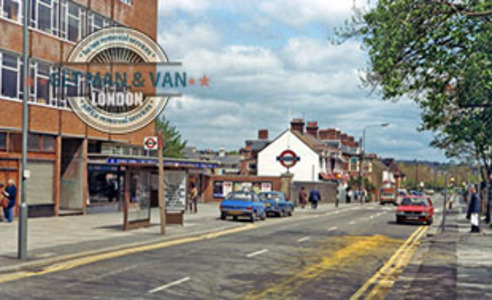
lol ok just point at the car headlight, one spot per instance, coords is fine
(425, 213)
(400, 213)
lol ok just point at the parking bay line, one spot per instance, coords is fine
(333, 228)
(303, 239)
(256, 253)
(166, 286)
(352, 223)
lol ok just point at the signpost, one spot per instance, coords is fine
(288, 159)
(151, 143)
(162, 203)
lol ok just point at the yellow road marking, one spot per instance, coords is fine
(105, 256)
(384, 285)
(386, 271)
(358, 247)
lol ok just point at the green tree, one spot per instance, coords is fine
(172, 141)
(437, 53)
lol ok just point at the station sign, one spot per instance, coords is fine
(288, 158)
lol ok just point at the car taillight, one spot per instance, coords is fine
(250, 208)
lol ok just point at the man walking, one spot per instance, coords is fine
(303, 197)
(473, 213)
(314, 198)
(193, 199)
(10, 193)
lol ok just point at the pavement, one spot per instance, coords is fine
(450, 264)
(56, 239)
(330, 253)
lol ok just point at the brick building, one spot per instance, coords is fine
(60, 145)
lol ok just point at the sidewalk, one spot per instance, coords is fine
(454, 264)
(60, 238)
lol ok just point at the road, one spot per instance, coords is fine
(334, 254)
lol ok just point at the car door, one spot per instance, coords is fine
(431, 213)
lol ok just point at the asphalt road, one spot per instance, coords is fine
(310, 256)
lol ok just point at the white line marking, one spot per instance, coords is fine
(166, 286)
(93, 278)
(303, 239)
(372, 217)
(257, 253)
(352, 223)
(333, 228)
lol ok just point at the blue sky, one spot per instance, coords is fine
(268, 58)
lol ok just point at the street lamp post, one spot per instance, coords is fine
(22, 235)
(362, 155)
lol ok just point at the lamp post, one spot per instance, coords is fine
(362, 155)
(22, 235)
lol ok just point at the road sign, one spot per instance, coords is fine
(151, 143)
(288, 158)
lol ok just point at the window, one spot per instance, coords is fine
(11, 9)
(72, 16)
(44, 15)
(48, 143)
(127, 2)
(15, 143)
(10, 74)
(42, 83)
(34, 142)
(3, 141)
(96, 22)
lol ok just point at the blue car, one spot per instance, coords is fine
(276, 204)
(242, 204)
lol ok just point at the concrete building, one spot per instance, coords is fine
(64, 173)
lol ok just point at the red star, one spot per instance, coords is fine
(29, 81)
(191, 81)
(43, 81)
(204, 81)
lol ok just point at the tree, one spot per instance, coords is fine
(172, 141)
(437, 53)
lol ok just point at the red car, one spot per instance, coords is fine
(415, 209)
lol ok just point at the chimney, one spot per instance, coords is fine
(297, 125)
(312, 128)
(324, 134)
(263, 134)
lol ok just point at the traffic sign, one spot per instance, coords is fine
(288, 158)
(151, 143)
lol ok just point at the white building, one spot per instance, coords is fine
(307, 168)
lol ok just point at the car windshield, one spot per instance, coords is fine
(415, 202)
(240, 196)
(270, 196)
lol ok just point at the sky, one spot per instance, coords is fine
(271, 60)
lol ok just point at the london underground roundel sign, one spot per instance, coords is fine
(288, 158)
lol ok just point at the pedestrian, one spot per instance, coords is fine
(302, 197)
(193, 199)
(348, 195)
(10, 193)
(473, 213)
(314, 198)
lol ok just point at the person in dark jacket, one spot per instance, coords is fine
(10, 193)
(474, 210)
(314, 198)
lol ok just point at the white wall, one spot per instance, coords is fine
(303, 170)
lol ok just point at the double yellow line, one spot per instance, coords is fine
(385, 277)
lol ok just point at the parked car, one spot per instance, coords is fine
(415, 209)
(242, 204)
(276, 204)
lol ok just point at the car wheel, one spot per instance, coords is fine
(290, 213)
(382, 203)
(263, 216)
(398, 221)
(281, 214)
(430, 221)
(253, 217)
(223, 216)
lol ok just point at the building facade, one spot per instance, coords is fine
(60, 145)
